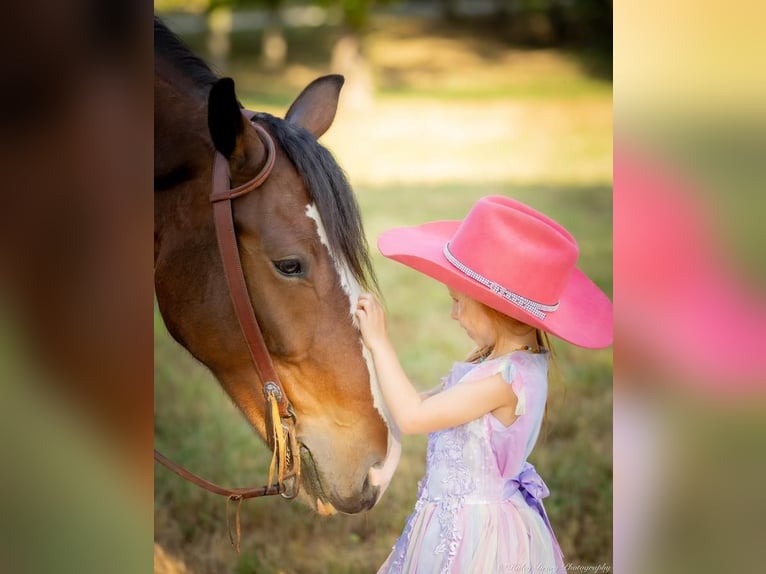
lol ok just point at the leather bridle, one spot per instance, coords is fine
(279, 413)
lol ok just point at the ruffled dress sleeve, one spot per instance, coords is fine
(508, 371)
(512, 444)
(503, 366)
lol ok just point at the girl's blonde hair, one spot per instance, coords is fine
(504, 323)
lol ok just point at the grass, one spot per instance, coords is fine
(476, 118)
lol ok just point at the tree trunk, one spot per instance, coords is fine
(273, 43)
(502, 9)
(348, 59)
(450, 9)
(219, 22)
(557, 17)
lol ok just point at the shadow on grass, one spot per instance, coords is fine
(586, 37)
(416, 57)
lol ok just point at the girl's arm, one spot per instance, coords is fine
(430, 392)
(413, 413)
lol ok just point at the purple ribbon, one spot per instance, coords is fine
(534, 490)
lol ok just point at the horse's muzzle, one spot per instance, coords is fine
(327, 503)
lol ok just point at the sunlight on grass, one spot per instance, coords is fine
(474, 67)
(432, 141)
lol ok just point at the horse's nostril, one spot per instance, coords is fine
(370, 493)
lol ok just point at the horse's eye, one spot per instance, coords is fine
(289, 267)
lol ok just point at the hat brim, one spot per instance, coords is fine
(584, 316)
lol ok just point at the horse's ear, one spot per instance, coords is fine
(315, 108)
(224, 117)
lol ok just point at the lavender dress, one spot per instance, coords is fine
(479, 507)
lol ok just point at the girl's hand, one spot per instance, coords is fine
(372, 320)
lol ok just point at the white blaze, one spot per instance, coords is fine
(379, 477)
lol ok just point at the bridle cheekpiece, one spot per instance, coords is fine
(279, 413)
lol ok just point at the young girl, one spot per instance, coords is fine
(511, 273)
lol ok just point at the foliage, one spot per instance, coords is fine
(356, 13)
(194, 6)
(200, 6)
(244, 4)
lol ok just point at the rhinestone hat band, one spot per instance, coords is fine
(533, 307)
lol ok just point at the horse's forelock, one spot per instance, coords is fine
(330, 192)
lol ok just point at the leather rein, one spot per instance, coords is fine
(279, 413)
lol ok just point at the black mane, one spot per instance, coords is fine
(173, 49)
(331, 193)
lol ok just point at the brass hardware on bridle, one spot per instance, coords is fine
(279, 415)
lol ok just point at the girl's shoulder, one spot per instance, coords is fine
(507, 365)
(518, 369)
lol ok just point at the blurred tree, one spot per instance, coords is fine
(576, 23)
(586, 24)
(219, 14)
(219, 24)
(504, 8)
(450, 9)
(196, 6)
(593, 19)
(348, 57)
(273, 42)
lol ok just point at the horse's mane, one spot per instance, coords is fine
(326, 183)
(331, 193)
(172, 48)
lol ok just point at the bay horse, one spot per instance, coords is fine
(304, 259)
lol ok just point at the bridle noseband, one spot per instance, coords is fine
(279, 413)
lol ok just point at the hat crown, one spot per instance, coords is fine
(516, 247)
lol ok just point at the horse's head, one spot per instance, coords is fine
(304, 259)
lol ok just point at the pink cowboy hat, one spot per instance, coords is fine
(513, 259)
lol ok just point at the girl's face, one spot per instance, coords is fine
(473, 319)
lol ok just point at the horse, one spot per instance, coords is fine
(304, 260)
